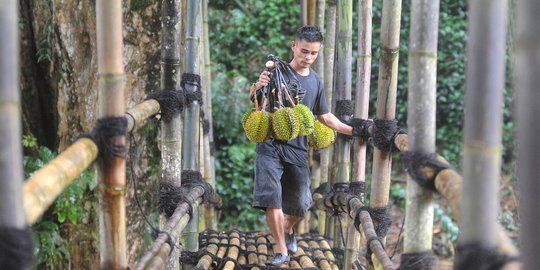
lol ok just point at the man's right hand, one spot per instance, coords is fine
(264, 80)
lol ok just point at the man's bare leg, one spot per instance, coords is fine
(276, 222)
(290, 221)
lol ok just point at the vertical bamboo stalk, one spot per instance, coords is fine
(190, 139)
(312, 12)
(171, 130)
(111, 104)
(319, 68)
(421, 119)
(386, 98)
(343, 93)
(361, 111)
(329, 52)
(304, 12)
(363, 82)
(11, 168)
(482, 134)
(528, 126)
(211, 219)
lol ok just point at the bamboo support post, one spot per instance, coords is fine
(191, 137)
(386, 98)
(421, 120)
(12, 213)
(171, 128)
(160, 250)
(482, 132)
(325, 222)
(528, 128)
(208, 141)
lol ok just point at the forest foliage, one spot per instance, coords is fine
(242, 35)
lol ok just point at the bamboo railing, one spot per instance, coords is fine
(159, 253)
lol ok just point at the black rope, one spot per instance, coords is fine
(357, 188)
(134, 152)
(419, 261)
(16, 248)
(384, 133)
(415, 161)
(398, 238)
(170, 196)
(195, 94)
(360, 128)
(383, 220)
(171, 102)
(480, 257)
(102, 134)
(344, 109)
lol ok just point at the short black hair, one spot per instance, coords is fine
(309, 33)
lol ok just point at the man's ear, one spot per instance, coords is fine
(293, 43)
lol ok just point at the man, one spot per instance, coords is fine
(282, 177)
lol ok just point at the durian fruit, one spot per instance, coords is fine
(306, 119)
(285, 124)
(322, 136)
(245, 117)
(256, 126)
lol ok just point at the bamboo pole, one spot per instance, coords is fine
(311, 12)
(386, 99)
(46, 184)
(361, 111)
(329, 53)
(111, 104)
(233, 251)
(160, 250)
(190, 138)
(528, 126)
(210, 175)
(12, 214)
(421, 119)
(171, 127)
(482, 133)
(304, 12)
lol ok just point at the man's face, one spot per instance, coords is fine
(305, 53)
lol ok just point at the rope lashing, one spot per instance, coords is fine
(480, 257)
(415, 164)
(102, 135)
(344, 109)
(384, 133)
(171, 102)
(170, 195)
(193, 92)
(357, 188)
(16, 248)
(418, 261)
(361, 128)
(205, 123)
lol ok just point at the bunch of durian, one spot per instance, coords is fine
(285, 123)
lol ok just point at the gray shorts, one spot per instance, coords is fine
(280, 184)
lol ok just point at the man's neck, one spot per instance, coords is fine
(300, 70)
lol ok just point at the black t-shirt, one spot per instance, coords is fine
(295, 151)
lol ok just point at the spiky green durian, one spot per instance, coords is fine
(245, 116)
(256, 126)
(285, 124)
(322, 136)
(306, 119)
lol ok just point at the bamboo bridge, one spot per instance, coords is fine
(185, 188)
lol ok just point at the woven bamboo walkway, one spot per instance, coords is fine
(251, 250)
